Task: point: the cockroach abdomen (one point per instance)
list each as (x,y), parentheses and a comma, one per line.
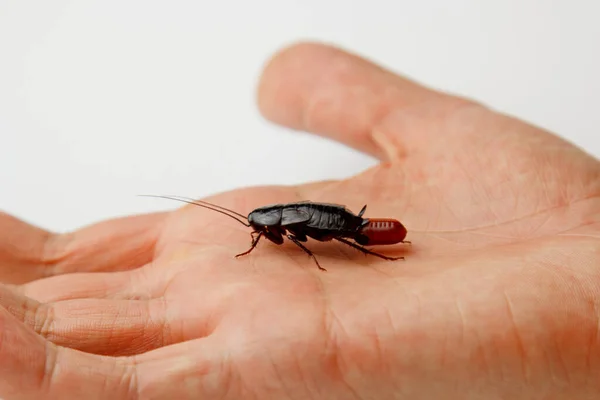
(381,231)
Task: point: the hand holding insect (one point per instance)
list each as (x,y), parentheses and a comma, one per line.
(497,299)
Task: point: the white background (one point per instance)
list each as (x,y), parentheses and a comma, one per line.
(103,100)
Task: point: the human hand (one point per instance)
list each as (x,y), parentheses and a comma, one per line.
(497,298)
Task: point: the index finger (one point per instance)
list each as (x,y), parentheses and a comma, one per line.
(28,253)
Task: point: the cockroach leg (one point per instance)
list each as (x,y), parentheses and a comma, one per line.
(365,251)
(253,236)
(254,243)
(307,251)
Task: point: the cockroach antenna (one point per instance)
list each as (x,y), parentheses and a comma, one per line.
(205,204)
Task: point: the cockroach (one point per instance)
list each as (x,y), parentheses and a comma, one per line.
(320,221)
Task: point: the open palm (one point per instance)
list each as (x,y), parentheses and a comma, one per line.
(497,296)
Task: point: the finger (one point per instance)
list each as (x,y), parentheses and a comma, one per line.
(28,252)
(330,92)
(33,368)
(107,327)
(336,94)
(114,245)
(116,327)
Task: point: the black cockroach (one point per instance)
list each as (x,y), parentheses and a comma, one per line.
(320,221)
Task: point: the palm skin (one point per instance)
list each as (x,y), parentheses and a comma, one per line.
(497,296)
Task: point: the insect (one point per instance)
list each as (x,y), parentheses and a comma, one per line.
(320,221)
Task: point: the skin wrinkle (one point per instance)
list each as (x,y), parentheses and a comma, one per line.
(450,211)
(445,239)
(383,110)
(331,348)
(470,120)
(128,377)
(44,320)
(162,223)
(227,377)
(514,194)
(521,241)
(556,376)
(463,321)
(564,194)
(50,366)
(380,269)
(379,347)
(138,279)
(517,219)
(563,376)
(485,366)
(50,256)
(544,184)
(580,286)
(519,341)
(484,194)
(2,333)
(164,329)
(438,215)
(388,144)
(304,382)
(471,179)
(540,227)
(110,334)
(560,372)
(191,371)
(589,236)
(15,305)
(496,236)
(170,279)
(451,112)
(594,339)
(279,376)
(137,287)
(339,361)
(408,186)
(388,151)
(132,384)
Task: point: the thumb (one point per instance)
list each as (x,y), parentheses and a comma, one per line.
(332,93)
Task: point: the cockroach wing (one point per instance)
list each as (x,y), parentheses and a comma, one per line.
(292,216)
(266,217)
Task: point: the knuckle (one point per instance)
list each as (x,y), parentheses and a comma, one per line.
(55,251)
(43,320)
